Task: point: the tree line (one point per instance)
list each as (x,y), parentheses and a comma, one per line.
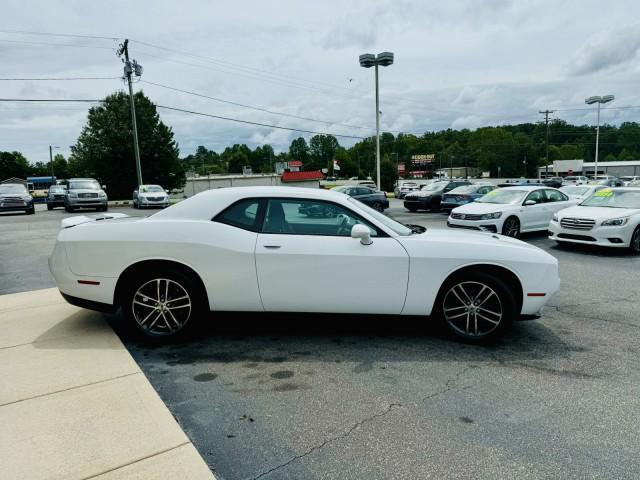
(104,150)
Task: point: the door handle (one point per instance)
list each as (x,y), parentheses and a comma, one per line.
(272,245)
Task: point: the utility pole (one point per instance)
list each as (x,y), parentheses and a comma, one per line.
(51,161)
(132,67)
(546,159)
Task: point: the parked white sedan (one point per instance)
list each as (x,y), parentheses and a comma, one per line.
(511,210)
(250,249)
(580,192)
(609,218)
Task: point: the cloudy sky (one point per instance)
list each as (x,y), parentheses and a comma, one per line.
(463,63)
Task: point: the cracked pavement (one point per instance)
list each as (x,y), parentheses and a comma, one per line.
(333,397)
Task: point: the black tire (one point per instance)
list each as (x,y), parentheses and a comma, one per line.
(68,209)
(412,209)
(49,206)
(434,206)
(634,245)
(30,211)
(168,320)
(377,206)
(511,227)
(484,299)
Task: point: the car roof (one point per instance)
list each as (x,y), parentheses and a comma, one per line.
(210,202)
(528,188)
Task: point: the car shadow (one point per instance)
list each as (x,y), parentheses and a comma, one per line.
(278,337)
(592,250)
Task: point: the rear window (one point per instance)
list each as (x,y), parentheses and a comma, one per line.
(242,214)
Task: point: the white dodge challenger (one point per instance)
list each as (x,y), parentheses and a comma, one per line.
(262,249)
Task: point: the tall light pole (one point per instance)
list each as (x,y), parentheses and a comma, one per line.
(369,60)
(599,100)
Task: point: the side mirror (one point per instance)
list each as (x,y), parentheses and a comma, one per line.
(104,187)
(363,233)
(528,203)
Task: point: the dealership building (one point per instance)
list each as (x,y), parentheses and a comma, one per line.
(562,168)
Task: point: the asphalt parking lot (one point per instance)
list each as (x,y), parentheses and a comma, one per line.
(314,397)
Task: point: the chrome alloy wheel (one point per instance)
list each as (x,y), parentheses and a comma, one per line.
(635,241)
(472,309)
(161,306)
(511,227)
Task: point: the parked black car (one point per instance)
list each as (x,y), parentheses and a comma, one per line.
(368,196)
(430,196)
(15,197)
(553,182)
(55,197)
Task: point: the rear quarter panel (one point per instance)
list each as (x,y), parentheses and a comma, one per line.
(223,256)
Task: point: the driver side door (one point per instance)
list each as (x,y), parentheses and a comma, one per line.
(310,263)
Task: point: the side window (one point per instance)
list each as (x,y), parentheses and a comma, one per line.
(364,191)
(242,214)
(310,217)
(555,196)
(537,196)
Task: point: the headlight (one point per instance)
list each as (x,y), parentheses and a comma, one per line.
(73,195)
(489,216)
(554,218)
(615,222)
(102,194)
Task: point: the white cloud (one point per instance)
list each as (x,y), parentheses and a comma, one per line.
(606,49)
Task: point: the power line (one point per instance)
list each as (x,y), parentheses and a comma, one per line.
(256,123)
(73,45)
(260,109)
(48,34)
(58,79)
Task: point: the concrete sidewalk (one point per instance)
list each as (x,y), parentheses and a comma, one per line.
(75,405)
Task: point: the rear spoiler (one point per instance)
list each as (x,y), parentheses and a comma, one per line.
(80,219)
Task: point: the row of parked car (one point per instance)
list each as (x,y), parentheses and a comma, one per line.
(76,194)
(594,214)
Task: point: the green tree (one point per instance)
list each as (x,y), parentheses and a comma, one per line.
(322,149)
(105,146)
(388,174)
(60,166)
(299,150)
(13,164)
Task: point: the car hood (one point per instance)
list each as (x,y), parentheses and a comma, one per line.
(480,208)
(23,196)
(597,213)
(152,194)
(86,190)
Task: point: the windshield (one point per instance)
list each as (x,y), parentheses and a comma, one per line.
(382,218)
(56,189)
(84,185)
(613,199)
(575,190)
(339,189)
(13,188)
(506,196)
(435,187)
(151,188)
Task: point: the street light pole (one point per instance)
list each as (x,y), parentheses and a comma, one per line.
(377,131)
(599,100)
(51,147)
(369,60)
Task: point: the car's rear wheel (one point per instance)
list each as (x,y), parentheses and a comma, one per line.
(434,206)
(477,307)
(377,206)
(162,303)
(68,209)
(511,227)
(634,245)
(412,209)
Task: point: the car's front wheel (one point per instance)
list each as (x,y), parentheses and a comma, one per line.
(378,206)
(634,245)
(162,303)
(477,307)
(511,227)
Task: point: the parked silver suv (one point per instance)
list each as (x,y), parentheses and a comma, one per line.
(85,193)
